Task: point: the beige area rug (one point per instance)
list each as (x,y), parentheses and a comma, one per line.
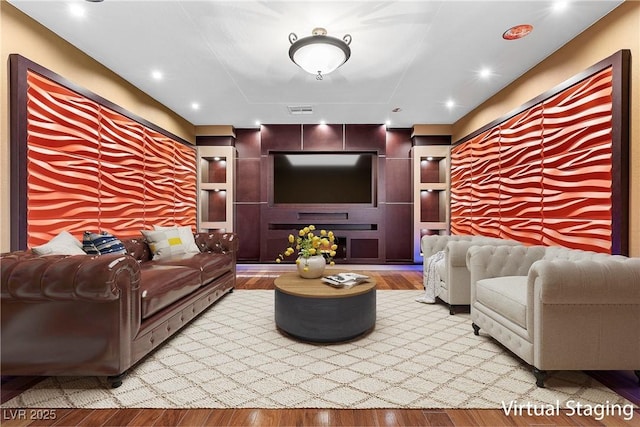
(418,356)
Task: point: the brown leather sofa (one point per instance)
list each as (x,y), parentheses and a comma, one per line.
(86,315)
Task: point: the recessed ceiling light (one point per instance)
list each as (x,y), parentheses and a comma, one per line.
(77,10)
(156,75)
(195,106)
(560,6)
(450,104)
(323,122)
(388,123)
(485,73)
(517,32)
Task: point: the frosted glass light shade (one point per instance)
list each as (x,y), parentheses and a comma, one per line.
(319,58)
(319,54)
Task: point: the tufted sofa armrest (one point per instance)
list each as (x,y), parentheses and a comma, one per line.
(431,244)
(584,313)
(78,277)
(75,312)
(611,281)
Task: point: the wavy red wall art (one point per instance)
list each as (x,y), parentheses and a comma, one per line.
(544,176)
(92,168)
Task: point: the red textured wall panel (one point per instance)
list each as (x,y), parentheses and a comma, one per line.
(577,165)
(544,176)
(461,192)
(186,185)
(91,168)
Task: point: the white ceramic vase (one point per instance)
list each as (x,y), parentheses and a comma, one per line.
(314,266)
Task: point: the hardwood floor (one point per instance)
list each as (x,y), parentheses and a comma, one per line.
(299,417)
(257,277)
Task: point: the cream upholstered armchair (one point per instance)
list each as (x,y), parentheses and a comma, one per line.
(453,276)
(557,308)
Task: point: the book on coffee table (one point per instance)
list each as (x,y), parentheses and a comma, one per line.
(344,280)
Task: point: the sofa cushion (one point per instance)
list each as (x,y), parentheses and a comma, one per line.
(62,244)
(186,235)
(506,296)
(165,243)
(102,244)
(211,266)
(161,285)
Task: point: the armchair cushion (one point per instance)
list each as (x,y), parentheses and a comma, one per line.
(507,296)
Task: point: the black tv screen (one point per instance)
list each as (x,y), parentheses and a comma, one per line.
(323,178)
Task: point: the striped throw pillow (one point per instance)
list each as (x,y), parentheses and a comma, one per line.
(102,244)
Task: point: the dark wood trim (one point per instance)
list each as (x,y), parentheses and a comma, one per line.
(419,140)
(18,147)
(218,141)
(18,68)
(621,85)
(621,66)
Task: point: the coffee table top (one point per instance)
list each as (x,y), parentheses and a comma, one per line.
(293,284)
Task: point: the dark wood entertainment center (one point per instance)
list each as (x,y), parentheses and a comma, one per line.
(368,233)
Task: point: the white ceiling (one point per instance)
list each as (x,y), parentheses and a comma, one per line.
(231,57)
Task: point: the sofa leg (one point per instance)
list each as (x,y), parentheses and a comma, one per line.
(540,377)
(638,375)
(476,329)
(116,380)
(459,308)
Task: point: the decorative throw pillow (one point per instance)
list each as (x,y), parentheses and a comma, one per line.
(63,244)
(101,244)
(186,235)
(164,244)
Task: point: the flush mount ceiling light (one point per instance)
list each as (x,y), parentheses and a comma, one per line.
(319,53)
(517,32)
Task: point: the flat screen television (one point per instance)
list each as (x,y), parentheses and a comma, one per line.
(324,178)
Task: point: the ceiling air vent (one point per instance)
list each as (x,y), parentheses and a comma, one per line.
(300,109)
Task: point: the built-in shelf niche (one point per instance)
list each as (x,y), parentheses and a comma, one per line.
(213,170)
(215,188)
(430,192)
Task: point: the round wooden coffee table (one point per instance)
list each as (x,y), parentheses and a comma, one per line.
(311,310)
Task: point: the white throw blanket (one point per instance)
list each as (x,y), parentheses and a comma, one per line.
(431,278)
